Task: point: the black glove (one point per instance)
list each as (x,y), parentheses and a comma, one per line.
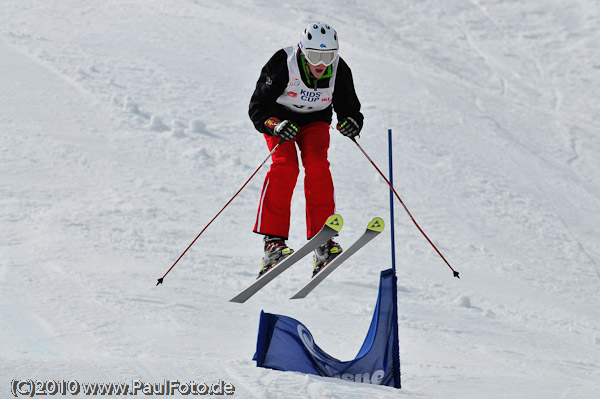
(285,130)
(349,128)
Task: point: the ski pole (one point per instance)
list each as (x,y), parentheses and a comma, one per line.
(160,280)
(405,208)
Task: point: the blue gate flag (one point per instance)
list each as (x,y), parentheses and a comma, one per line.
(286,344)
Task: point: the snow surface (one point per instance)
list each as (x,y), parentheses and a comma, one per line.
(124,129)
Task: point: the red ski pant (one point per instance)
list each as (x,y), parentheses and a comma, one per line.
(273,216)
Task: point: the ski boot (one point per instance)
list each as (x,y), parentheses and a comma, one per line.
(325,254)
(275,252)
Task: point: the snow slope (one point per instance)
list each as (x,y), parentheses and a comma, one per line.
(124,129)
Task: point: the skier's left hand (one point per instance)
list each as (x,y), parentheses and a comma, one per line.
(349,128)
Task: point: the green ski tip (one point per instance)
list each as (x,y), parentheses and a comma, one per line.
(377,225)
(335,222)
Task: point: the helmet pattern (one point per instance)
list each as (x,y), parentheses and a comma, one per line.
(318,36)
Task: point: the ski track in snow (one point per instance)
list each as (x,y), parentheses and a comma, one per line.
(124,130)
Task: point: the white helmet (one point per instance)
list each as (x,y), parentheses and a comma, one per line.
(319,44)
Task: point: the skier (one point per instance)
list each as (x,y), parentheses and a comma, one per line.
(292,103)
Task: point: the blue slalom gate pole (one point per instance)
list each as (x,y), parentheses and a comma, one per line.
(392,200)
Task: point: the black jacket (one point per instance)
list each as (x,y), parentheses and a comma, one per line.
(273,80)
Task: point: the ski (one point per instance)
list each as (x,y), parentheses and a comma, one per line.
(374,227)
(332,226)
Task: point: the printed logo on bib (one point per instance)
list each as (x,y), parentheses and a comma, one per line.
(310,96)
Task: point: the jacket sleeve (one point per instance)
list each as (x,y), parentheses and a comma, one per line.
(345,101)
(271,83)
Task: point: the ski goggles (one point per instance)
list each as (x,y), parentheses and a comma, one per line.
(317,57)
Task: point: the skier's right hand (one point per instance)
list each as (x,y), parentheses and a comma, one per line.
(286,130)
